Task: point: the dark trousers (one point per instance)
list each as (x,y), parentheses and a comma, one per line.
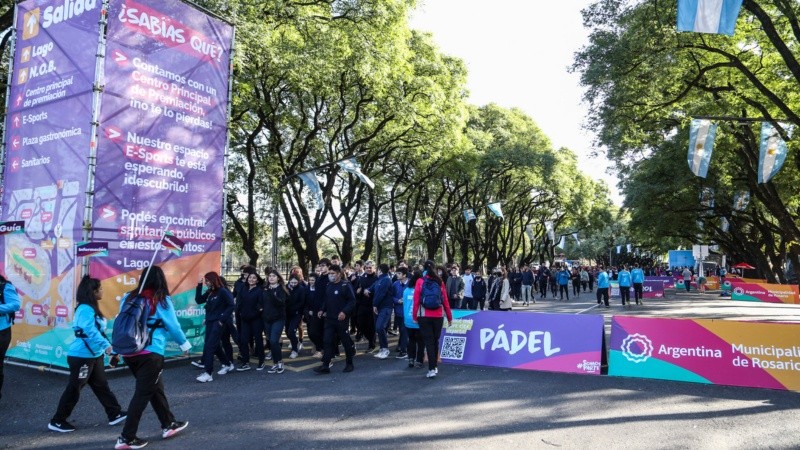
(401,327)
(688,285)
(229,332)
(576,288)
(602,292)
(585,285)
(416,345)
(95,377)
(333,331)
(431,329)
(637,292)
(274,328)
(366,326)
(543,289)
(316,328)
(482,302)
(292,324)
(212,346)
(5,341)
(252,329)
(563,290)
(625,293)
(147,369)
(467,303)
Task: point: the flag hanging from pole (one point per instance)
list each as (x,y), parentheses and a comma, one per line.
(172,243)
(741,200)
(629,247)
(351,166)
(529,231)
(619,249)
(708,16)
(707,197)
(724,224)
(495,208)
(550,230)
(563,242)
(772,151)
(469,215)
(575,236)
(701,144)
(311,181)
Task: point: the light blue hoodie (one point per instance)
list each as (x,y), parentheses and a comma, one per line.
(10,305)
(624,278)
(170,328)
(86,321)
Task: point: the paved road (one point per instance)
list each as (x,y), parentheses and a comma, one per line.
(383,404)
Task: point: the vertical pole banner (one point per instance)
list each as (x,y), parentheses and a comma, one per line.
(550,342)
(47,136)
(752,354)
(161,148)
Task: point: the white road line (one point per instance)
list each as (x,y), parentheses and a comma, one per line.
(588,309)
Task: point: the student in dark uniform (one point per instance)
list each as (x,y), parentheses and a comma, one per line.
(337,308)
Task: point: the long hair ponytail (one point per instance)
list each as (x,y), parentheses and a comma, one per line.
(430,268)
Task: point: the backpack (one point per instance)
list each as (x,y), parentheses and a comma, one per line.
(431,297)
(131,334)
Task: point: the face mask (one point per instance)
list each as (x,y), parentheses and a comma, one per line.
(332,278)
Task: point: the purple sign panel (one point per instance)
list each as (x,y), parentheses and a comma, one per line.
(521,340)
(669,282)
(163,134)
(48,136)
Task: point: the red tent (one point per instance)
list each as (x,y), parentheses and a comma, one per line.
(743,265)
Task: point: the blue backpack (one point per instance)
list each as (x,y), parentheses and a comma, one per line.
(431,297)
(131,334)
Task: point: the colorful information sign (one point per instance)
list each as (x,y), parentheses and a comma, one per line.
(753,354)
(531,341)
(765,292)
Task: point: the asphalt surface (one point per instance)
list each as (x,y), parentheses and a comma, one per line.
(384,404)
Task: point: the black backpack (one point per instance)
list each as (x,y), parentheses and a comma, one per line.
(131,334)
(431,295)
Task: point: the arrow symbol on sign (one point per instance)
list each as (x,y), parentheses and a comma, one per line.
(26,54)
(19,99)
(31,24)
(15,142)
(108,212)
(113,133)
(16,121)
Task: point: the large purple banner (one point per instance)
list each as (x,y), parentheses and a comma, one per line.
(162,144)
(522,340)
(48,137)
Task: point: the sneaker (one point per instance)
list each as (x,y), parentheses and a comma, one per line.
(402,355)
(268,355)
(348,368)
(431,374)
(205,377)
(322,369)
(243,367)
(317,355)
(418,365)
(225,369)
(277,368)
(371,350)
(299,346)
(173,429)
(125,444)
(118,418)
(436,369)
(392,333)
(199,364)
(330,364)
(261,366)
(410,363)
(293,355)
(61,427)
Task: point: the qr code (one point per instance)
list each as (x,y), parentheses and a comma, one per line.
(453,347)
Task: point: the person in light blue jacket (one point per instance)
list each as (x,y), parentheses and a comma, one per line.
(603,286)
(85,359)
(416,346)
(9,305)
(624,278)
(637,277)
(148,364)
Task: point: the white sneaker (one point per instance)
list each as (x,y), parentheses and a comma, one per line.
(431,374)
(293,355)
(317,355)
(204,378)
(383,354)
(226,369)
(300,347)
(436,369)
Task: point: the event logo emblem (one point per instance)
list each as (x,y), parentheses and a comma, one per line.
(643,342)
(738,291)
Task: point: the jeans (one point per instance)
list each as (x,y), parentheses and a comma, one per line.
(381,321)
(252,329)
(212,346)
(95,377)
(688,284)
(431,329)
(5,341)
(147,369)
(526,293)
(292,323)
(333,330)
(274,328)
(229,332)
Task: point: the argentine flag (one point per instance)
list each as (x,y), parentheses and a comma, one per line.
(708,16)
(772,152)
(701,144)
(495,208)
(312,183)
(469,215)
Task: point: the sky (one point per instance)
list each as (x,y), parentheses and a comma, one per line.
(518,53)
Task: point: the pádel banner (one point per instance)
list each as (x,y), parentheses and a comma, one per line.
(669,282)
(650,289)
(530,341)
(766,293)
(752,354)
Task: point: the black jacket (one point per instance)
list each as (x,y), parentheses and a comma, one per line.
(273,304)
(339,297)
(248,302)
(479,289)
(219,304)
(297,299)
